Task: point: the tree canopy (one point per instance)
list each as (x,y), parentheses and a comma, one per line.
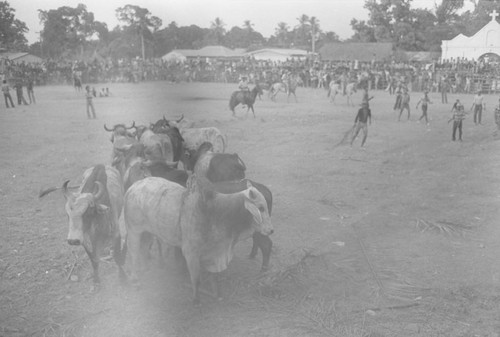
(73,31)
(12,30)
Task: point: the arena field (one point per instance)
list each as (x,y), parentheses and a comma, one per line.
(398,239)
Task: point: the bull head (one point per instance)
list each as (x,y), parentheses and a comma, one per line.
(256,205)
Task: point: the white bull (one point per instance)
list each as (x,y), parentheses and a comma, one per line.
(205,224)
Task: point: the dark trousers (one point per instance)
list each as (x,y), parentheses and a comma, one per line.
(31,96)
(478,111)
(8,98)
(424,113)
(20,98)
(457,125)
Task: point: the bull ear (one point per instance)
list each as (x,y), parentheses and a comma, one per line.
(101,209)
(254,210)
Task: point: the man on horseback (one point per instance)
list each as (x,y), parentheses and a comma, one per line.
(243,85)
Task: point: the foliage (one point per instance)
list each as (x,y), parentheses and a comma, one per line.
(12,30)
(67,30)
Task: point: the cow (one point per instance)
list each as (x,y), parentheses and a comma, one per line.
(204,223)
(163,170)
(191,157)
(129,162)
(120,137)
(93,213)
(194,137)
(259,241)
(224,167)
(220,166)
(245,98)
(157,146)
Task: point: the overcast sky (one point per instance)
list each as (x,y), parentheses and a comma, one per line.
(333,15)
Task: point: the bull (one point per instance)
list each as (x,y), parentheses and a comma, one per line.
(204,223)
(93,213)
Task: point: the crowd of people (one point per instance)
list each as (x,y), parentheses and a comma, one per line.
(459,76)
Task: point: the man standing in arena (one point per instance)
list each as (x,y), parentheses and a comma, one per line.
(90,103)
(6,94)
(425,101)
(458,116)
(477,107)
(405,104)
(360,123)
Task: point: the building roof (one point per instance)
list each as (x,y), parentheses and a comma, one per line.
(417,56)
(350,51)
(209,51)
(20,57)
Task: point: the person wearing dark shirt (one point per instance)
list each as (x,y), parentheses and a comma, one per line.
(405,104)
(360,123)
(19,93)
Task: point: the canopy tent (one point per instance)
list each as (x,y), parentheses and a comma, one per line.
(174,56)
(217,52)
(485,41)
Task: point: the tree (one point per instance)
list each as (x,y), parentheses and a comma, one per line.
(218,30)
(302,30)
(12,30)
(248,26)
(315,31)
(67,29)
(139,20)
(281,33)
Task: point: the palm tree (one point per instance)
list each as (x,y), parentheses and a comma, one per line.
(248,26)
(315,31)
(218,30)
(282,32)
(302,30)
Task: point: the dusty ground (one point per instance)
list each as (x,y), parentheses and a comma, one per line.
(399,239)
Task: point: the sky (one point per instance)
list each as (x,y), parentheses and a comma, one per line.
(333,15)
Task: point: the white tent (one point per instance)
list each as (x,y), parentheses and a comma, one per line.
(485,41)
(277,54)
(175,56)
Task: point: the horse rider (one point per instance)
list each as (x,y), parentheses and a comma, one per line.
(243,85)
(285,78)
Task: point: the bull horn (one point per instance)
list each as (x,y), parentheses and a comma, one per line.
(133,126)
(242,163)
(100,190)
(182,117)
(65,188)
(109,130)
(166,120)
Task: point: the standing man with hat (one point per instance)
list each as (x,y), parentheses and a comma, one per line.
(458,116)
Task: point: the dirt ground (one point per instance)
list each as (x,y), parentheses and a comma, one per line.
(397,239)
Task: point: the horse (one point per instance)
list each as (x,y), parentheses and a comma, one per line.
(336,88)
(288,88)
(245,98)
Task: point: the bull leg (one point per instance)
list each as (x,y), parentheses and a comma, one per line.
(265,244)
(193,264)
(95,268)
(134,246)
(253,111)
(213,278)
(119,257)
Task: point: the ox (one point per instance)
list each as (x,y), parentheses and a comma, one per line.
(194,137)
(204,223)
(224,167)
(121,137)
(191,157)
(93,213)
(244,97)
(156,146)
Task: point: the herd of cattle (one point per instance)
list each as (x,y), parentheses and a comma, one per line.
(143,197)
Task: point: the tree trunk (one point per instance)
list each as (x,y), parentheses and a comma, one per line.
(142,46)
